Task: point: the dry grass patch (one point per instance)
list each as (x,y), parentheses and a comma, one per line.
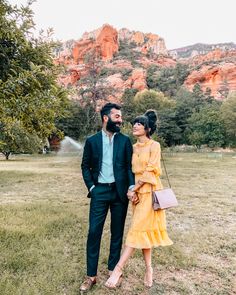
(44,219)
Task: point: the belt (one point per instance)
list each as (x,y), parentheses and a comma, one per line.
(107,184)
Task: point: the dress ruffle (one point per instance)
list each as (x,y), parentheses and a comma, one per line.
(147,239)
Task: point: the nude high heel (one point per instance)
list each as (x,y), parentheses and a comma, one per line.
(148,281)
(112,282)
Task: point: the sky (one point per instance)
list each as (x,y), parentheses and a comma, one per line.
(179,22)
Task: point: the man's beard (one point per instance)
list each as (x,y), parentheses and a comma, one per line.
(112,126)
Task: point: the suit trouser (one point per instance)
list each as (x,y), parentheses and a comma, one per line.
(103,198)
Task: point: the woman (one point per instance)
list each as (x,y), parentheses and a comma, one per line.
(148,227)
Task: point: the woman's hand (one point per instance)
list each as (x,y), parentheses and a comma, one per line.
(135,199)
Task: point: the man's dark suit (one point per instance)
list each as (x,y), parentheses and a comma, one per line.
(105,197)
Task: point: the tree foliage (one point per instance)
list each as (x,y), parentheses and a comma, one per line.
(136,103)
(191,118)
(30,98)
(228,115)
(128,105)
(151,99)
(93,87)
(206,127)
(167,80)
(80,121)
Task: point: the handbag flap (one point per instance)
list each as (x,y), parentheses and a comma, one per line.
(166,198)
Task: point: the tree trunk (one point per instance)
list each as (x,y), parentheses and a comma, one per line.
(7,154)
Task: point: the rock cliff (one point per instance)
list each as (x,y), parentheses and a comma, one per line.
(121,51)
(215,70)
(126,55)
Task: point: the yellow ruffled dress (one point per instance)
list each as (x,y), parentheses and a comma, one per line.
(148,227)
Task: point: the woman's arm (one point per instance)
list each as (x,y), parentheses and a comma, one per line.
(153,167)
(138,185)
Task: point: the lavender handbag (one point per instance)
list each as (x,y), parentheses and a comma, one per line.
(164,198)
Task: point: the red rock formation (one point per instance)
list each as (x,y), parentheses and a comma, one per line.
(91,35)
(155,44)
(146,42)
(81,48)
(71,79)
(120,64)
(75,76)
(64,57)
(117,83)
(159,61)
(137,80)
(108,42)
(214,55)
(217,69)
(124,34)
(103,41)
(138,38)
(217,78)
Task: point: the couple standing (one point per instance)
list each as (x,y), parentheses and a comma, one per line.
(109,177)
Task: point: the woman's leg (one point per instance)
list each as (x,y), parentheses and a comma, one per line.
(147,254)
(117,272)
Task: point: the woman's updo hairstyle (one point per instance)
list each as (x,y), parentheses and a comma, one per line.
(152,120)
(148,120)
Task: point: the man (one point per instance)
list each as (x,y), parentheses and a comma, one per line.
(106,169)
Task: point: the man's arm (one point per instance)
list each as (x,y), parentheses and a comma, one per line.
(129,152)
(85,165)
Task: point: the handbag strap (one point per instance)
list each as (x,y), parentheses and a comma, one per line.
(167,176)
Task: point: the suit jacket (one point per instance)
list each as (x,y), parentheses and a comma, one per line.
(122,154)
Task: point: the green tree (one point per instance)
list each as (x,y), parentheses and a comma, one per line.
(181,72)
(167,80)
(127,52)
(228,115)
(30,98)
(128,105)
(224,89)
(183,110)
(187,103)
(135,104)
(199,97)
(151,99)
(168,130)
(152,76)
(80,121)
(206,127)
(93,87)
(15,138)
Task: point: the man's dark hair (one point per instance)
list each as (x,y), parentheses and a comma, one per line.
(106,109)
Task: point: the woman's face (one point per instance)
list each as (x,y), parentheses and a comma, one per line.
(138,129)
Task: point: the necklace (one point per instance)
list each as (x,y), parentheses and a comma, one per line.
(140,145)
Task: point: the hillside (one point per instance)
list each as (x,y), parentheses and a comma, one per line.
(124,59)
(199,48)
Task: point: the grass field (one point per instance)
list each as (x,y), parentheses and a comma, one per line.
(43,229)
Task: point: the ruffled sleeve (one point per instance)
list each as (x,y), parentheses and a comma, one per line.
(153,167)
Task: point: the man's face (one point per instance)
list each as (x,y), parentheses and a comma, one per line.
(113,121)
